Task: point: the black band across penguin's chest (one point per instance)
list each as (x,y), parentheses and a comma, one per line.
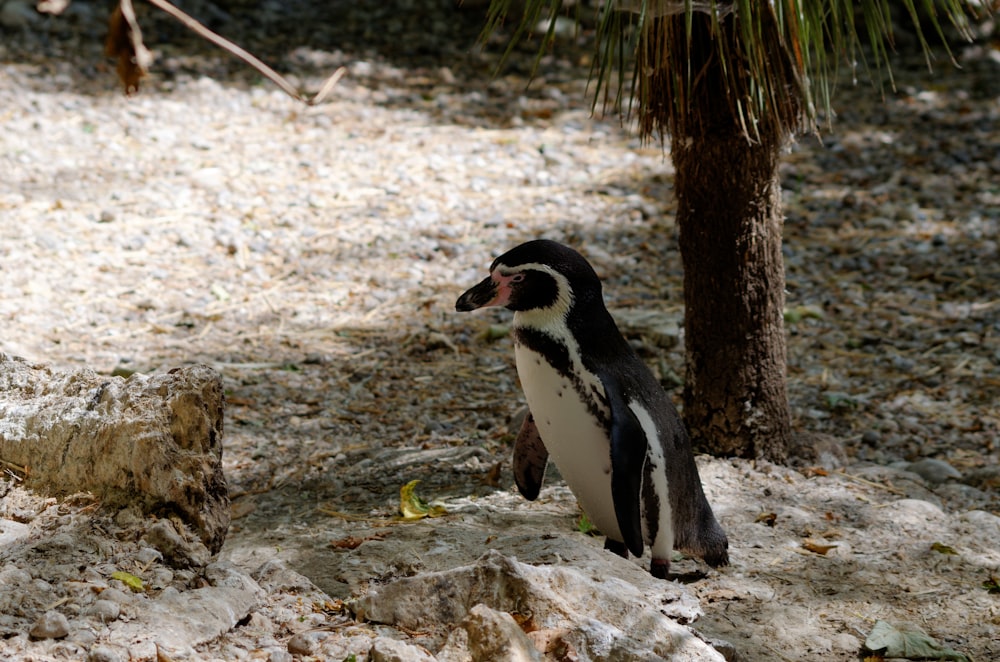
(558,356)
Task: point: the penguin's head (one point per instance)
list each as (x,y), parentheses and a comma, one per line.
(539,278)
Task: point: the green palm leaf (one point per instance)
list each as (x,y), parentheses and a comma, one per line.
(780,58)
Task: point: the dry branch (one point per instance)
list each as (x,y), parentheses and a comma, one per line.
(125,42)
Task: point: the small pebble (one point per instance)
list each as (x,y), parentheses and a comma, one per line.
(934,471)
(278,655)
(259,623)
(14,576)
(385,649)
(177,551)
(304,643)
(52,625)
(160,577)
(116,596)
(105,610)
(18,14)
(104,654)
(148,556)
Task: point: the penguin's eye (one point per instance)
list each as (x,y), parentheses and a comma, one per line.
(517,278)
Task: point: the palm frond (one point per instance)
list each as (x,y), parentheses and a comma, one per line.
(773,63)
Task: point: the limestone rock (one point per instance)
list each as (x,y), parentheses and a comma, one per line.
(598,615)
(153,440)
(105,611)
(305,643)
(488,634)
(104,654)
(385,649)
(11,531)
(176,550)
(52,625)
(178,621)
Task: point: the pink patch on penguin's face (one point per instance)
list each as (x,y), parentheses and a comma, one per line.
(505,286)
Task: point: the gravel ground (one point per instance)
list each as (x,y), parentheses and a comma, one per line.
(313,256)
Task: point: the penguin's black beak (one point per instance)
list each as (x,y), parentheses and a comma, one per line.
(478,296)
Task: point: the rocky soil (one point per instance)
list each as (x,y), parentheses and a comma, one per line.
(312,255)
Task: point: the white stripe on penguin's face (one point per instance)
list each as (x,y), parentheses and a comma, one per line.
(662,547)
(543,319)
(551,320)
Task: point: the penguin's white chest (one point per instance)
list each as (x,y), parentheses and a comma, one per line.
(576,439)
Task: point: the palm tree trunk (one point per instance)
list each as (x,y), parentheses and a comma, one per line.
(729,218)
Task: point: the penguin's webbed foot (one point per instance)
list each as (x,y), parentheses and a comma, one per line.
(659,568)
(617,547)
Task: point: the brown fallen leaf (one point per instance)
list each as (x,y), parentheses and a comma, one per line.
(492,477)
(353,542)
(525,621)
(124,42)
(766,518)
(809,472)
(336,606)
(815,547)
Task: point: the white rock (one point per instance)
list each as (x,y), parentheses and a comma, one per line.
(52,625)
(212,179)
(488,634)
(385,649)
(104,610)
(104,653)
(985,522)
(11,531)
(116,596)
(597,611)
(14,576)
(305,643)
(148,556)
(275,654)
(179,621)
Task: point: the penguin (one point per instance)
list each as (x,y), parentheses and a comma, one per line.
(596,410)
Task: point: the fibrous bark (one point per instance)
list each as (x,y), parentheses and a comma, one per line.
(152,441)
(729,220)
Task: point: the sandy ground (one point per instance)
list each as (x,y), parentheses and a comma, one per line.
(313,256)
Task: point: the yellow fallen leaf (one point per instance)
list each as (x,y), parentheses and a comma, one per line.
(412,506)
(941,548)
(129,580)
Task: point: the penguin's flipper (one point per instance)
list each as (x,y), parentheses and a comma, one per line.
(530,459)
(628,455)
